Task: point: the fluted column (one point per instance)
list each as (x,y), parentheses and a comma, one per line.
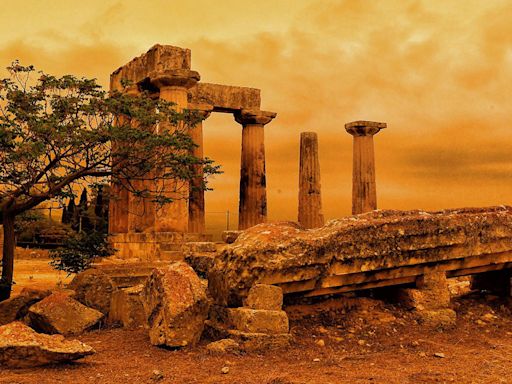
(253,195)
(364,194)
(310,200)
(196,217)
(173,86)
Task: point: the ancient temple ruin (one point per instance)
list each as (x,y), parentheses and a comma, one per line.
(140,230)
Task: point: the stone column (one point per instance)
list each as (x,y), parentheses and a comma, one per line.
(173,86)
(364,194)
(310,201)
(253,196)
(119,205)
(196,218)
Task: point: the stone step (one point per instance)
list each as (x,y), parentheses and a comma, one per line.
(171,255)
(171,246)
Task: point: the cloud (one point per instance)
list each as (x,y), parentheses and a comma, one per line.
(439,73)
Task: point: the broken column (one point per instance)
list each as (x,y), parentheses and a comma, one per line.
(253,195)
(310,202)
(364,195)
(173,85)
(196,218)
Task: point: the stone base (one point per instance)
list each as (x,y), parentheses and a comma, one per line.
(248,341)
(443,318)
(154,246)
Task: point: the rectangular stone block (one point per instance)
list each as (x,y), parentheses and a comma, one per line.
(126,307)
(158,58)
(264,296)
(225,98)
(258,320)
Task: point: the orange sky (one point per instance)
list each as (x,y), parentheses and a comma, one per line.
(439,72)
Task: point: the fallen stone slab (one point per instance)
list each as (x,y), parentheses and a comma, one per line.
(16,307)
(59,313)
(371,250)
(93,288)
(22,347)
(176,305)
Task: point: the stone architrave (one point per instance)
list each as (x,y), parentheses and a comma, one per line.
(364,193)
(253,194)
(310,200)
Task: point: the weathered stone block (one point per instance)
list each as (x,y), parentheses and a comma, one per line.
(17,307)
(248,341)
(443,318)
(230,237)
(22,347)
(259,320)
(200,246)
(93,288)
(223,346)
(225,98)
(201,262)
(59,313)
(126,307)
(264,296)
(176,305)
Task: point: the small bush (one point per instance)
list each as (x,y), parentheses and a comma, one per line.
(78,252)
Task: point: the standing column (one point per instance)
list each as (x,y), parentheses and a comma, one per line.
(310,201)
(364,194)
(196,218)
(253,195)
(173,86)
(119,204)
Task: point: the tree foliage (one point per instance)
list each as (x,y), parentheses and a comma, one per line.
(79,251)
(56,132)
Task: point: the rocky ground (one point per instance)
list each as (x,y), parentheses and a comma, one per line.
(335,341)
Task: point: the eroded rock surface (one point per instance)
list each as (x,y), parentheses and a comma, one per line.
(17,307)
(94,289)
(346,251)
(176,305)
(59,313)
(21,347)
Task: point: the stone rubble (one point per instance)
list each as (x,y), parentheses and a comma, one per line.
(176,306)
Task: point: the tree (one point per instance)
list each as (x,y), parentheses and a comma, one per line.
(56,132)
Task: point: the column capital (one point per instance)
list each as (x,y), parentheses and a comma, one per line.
(183,78)
(364,128)
(204,110)
(254,116)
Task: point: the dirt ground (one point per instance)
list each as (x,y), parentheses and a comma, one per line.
(363,341)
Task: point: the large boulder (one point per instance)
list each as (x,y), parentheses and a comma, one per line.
(59,313)
(346,251)
(21,347)
(93,288)
(176,305)
(17,307)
